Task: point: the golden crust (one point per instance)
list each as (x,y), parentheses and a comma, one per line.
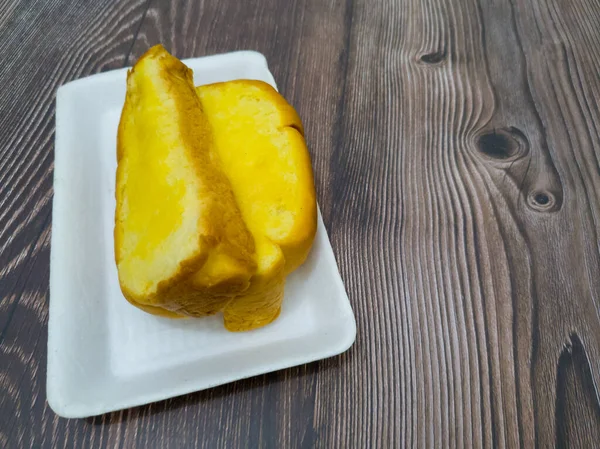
(220,227)
(239,262)
(297,241)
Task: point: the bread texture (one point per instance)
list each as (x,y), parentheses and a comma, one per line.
(215,195)
(259,139)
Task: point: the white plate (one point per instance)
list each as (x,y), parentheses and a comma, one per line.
(104,354)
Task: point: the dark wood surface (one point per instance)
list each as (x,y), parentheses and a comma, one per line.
(456,149)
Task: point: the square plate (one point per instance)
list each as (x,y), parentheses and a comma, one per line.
(106,355)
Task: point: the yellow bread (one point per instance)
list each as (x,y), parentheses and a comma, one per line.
(181,244)
(259,139)
(215,196)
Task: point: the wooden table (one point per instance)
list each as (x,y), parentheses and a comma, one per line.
(456,149)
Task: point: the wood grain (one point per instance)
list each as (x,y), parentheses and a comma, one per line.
(456,148)
(43,44)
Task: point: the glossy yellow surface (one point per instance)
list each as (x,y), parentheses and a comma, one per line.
(215,195)
(258,137)
(181,245)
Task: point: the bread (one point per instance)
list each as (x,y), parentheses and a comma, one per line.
(215,195)
(181,244)
(259,139)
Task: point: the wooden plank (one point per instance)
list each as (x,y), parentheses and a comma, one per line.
(560,44)
(469,223)
(456,147)
(43,45)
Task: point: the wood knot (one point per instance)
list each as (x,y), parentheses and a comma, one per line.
(505,144)
(434,57)
(542,201)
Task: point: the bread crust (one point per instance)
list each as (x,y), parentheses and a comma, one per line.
(224,273)
(222,227)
